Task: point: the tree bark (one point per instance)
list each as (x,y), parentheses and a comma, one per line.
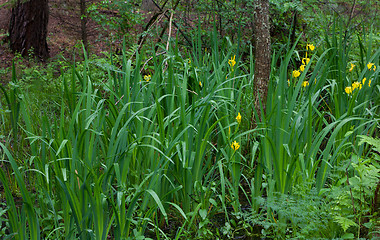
(28,28)
(262,53)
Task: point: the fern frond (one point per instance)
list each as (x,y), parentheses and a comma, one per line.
(345,223)
(375,142)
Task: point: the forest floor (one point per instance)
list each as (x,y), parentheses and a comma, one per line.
(63,34)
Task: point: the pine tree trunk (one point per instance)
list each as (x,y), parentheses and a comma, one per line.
(28,28)
(262,52)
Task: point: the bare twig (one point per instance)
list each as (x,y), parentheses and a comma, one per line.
(146,62)
(170,30)
(153,20)
(175,6)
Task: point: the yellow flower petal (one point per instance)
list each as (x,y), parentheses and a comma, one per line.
(352,67)
(305,83)
(302,68)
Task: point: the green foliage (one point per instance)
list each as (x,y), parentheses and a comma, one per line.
(345,223)
(353,194)
(118,17)
(13,101)
(143,145)
(375,142)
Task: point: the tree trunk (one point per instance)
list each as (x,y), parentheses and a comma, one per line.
(83,21)
(28,28)
(262,52)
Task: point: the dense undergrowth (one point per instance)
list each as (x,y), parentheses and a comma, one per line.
(169,146)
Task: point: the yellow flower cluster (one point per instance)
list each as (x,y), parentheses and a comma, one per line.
(370,66)
(356,85)
(305,61)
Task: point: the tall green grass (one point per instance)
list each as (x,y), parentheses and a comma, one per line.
(123,154)
(128,155)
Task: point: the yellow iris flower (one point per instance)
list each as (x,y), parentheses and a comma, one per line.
(310,47)
(370,65)
(305,61)
(147,77)
(232,62)
(348,90)
(355,85)
(296,73)
(235,146)
(238,118)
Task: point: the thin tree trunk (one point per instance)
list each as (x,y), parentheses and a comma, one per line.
(83,21)
(262,53)
(28,28)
